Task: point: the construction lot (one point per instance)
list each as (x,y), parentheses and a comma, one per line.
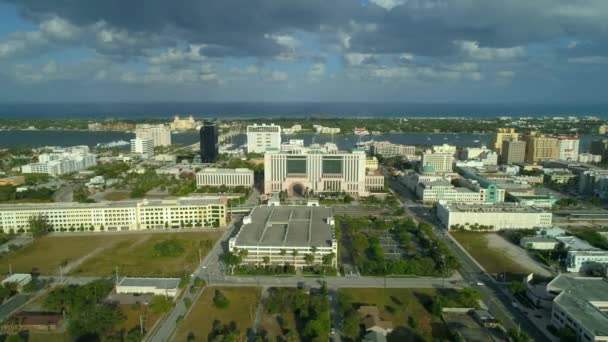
(498,255)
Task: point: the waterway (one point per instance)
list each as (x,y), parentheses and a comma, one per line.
(19,138)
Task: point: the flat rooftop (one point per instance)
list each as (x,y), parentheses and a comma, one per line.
(216,170)
(576,297)
(289,226)
(576,244)
(182,201)
(159,283)
(492,208)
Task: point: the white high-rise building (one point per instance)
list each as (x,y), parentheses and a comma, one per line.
(145,147)
(568,148)
(317,170)
(263,137)
(437,162)
(159,134)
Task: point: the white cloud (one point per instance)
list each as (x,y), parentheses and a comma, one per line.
(505,74)
(473,50)
(356,59)
(176,56)
(289,44)
(589,60)
(58,28)
(388,4)
(279,76)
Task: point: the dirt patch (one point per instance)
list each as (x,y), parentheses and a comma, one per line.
(70,266)
(514,252)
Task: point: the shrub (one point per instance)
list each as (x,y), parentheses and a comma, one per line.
(169,248)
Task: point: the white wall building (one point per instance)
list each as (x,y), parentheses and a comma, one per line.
(183,124)
(145,147)
(159,134)
(498,215)
(580,304)
(62,161)
(285,234)
(589,158)
(122,215)
(326,130)
(437,162)
(315,169)
(445,148)
(580,261)
(157,286)
(228,177)
(568,148)
(387,149)
(263,137)
(19,279)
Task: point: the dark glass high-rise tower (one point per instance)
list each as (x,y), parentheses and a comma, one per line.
(209,145)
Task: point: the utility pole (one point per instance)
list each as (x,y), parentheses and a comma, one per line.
(60,274)
(10,269)
(116,280)
(141,324)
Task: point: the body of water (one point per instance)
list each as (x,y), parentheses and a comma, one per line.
(209,110)
(344,142)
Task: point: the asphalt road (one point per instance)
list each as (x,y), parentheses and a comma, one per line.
(209,266)
(7,308)
(494,294)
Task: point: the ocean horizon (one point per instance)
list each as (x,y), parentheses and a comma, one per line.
(252,110)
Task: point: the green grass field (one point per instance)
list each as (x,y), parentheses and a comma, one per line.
(493,260)
(100,254)
(401,306)
(243,304)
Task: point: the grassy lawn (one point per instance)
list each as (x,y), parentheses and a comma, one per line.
(401,306)
(136,257)
(100,254)
(493,260)
(49,337)
(116,196)
(243,304)
(275,326)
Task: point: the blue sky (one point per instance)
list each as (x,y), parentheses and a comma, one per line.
(542,51)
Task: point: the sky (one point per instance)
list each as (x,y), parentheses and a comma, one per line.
(540,51)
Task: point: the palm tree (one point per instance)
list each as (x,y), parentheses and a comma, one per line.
(309,258)
(313,251)
(266,260)
(283,252)
(295,254)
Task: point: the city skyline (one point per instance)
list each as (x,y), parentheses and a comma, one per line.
(377,50)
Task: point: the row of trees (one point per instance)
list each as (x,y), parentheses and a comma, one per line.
(474,227)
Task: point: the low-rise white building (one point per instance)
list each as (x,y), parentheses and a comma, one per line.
(374,181)
(542,243)
(62,161)
(326,130)
(19,279)
(580,261)
(437,161)
(589,158)
(387,149)
(113,216)
(580,303)
(286,234)
(371,164)
(168,287)
(493,216)
(263,137)
(229,177)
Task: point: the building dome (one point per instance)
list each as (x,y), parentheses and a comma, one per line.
(427,169)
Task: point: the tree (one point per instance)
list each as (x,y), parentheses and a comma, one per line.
(328,259)
(294,253)
(351,324)
(566,334)
(219,300)
(39,226)
(309,259)
(283,252)
(266,260)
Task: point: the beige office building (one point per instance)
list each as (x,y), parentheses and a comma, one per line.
(502,135)
(540,147)
(513,151)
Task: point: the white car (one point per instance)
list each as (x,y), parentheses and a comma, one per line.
(480,284)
